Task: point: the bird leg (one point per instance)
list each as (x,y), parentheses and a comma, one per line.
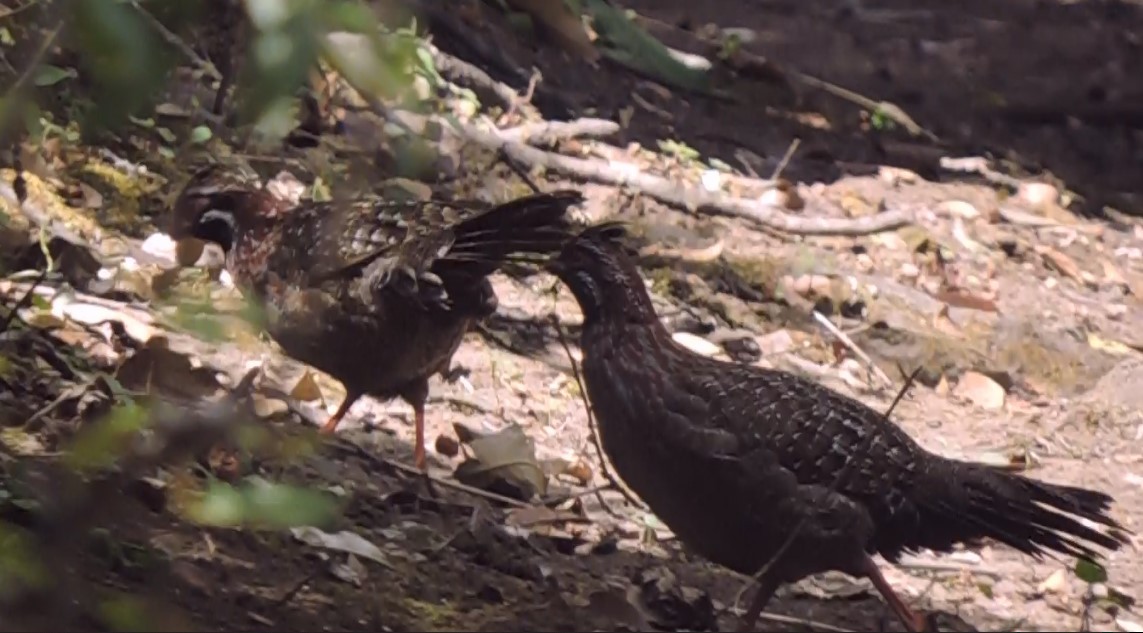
(767,587)
(913,622)
(419,431)
(331,425)
(416,396)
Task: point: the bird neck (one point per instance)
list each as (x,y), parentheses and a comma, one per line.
(611,293)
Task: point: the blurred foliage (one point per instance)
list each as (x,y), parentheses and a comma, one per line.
(77,70)
(112,59)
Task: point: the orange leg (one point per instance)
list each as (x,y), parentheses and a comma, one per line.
(419,426)
(331,425)
(913,622)
(416,397)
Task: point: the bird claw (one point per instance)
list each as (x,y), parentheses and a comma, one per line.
(455,373)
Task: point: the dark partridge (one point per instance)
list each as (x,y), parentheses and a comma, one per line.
(738,460)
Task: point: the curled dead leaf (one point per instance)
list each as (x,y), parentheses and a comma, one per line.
(307,388)
(268,407)
(156,369)
(965,299)
(1061,263)
(503,462)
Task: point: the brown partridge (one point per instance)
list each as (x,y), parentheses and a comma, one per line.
(378,294)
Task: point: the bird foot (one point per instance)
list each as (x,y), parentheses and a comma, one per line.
(455,373)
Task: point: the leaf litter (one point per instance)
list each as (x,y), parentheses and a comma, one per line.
(955,276)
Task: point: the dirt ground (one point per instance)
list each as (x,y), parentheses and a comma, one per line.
(1047,89)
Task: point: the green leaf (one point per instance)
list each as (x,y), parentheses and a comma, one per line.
(48,75)
(200,135)
(100,444)
(125,614)
(167,135)
(1090,571)
(126,60)
(258,503)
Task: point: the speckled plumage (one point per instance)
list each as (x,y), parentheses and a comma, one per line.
(378,294)
(732,457)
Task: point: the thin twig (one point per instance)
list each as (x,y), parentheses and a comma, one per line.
(25,301)
(951,568)
(177,42)
(591,427)
(16,92)
(681,195)
(413,470)
(848,342)
(800,622)
(518,170)
(786,158)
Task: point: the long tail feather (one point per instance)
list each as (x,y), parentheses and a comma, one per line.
(965,502)
(534,225)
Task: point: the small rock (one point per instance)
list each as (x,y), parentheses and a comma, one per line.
(775,197)
(959,209)
(1038,194)
(896,175)
(981,390)
(696,344)
(1054,583)
(909,270)
(447,445)
(1115,311)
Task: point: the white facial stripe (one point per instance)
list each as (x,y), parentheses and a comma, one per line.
(220,215)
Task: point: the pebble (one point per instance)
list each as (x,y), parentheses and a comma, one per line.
(1038,194)
(981,390)
(959,209)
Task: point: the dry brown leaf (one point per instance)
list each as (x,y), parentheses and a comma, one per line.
(538,515)
(1061,263)
(502,462)
(567,27)
(965,299)
(157,369)
(268,407)
(307,388)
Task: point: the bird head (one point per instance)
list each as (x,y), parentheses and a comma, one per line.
(604,279)
(211,208)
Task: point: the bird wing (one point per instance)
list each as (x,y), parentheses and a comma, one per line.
(340,240)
